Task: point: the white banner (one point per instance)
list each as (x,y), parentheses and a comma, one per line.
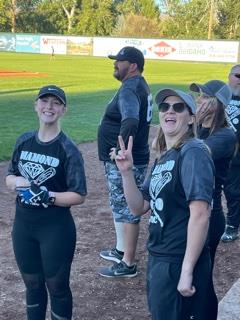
(53,44)
(183,50)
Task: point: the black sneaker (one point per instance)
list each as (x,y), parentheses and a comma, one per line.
(230,234)
(119,270)
(112,255)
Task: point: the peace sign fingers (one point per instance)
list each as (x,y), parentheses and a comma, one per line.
(124,158)
(122,144)
(130,144)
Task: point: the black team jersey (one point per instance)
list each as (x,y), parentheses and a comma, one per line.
(222,144)
(233,115)
(57,165)
(180,176)
(128,113)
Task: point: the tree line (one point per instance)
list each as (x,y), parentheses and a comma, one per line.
(172,19)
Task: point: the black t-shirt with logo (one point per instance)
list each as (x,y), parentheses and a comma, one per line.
(57,165)
(233,115)
(128,113)
(222,143)
(180,176)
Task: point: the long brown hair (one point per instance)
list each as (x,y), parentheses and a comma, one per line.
(219,119)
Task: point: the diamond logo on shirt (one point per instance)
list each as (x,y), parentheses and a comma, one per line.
(30,169)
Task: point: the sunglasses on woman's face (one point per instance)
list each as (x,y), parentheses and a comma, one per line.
(237,75)
(177,107)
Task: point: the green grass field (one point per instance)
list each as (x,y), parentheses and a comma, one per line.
(88,83)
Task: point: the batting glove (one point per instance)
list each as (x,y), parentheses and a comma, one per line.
(34,195)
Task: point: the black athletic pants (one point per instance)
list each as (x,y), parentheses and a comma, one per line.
(216,229)
(232,194)
(44,244)
(165,302)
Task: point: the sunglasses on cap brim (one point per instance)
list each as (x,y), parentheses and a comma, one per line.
(177,107)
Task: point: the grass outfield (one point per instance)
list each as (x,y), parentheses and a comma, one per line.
(89,85)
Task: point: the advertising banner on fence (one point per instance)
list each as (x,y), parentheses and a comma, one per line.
(7,42)
(80,46)
(53,44)
(27,43)
(194,50)
(183,50)
(160,49)
(102,47)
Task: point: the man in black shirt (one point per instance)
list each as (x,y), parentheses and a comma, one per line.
(232,187)
(128,114)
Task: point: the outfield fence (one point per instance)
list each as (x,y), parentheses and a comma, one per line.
(161,49)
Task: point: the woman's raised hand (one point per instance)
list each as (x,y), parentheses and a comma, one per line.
(203,110)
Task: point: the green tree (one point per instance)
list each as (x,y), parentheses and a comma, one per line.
(133,25)
(97,17)
(229,20)
(45,18)
(14,8)
(5,16)
(146,8)
(137,18)
(71,9)
(194,19)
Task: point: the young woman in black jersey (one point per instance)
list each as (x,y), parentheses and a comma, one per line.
(213,129)
(179,193)
(47,171)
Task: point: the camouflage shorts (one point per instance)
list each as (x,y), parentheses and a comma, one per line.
(120,210)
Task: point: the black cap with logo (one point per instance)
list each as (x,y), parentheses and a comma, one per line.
(53,91)
(130,54)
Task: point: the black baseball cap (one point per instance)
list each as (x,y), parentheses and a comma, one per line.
(187,98)
(214,88)
(53,91)
(130,54)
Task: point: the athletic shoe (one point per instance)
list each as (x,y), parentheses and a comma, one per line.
(119,270)
(230,234)
(112,255)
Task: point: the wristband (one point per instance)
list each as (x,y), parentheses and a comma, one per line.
(52,198)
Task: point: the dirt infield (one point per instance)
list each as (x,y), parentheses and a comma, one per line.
(8,73)
(95,298)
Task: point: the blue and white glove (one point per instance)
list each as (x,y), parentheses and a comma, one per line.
(34,195)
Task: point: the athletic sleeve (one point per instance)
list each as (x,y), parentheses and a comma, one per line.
(75,173)
(129,104)
(13,165)
(128,128)
(197,174)
(222,144)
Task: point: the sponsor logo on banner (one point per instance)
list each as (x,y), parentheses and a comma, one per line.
(7,42)
(27,43)
(162,49)
(50,43)
(80,45)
